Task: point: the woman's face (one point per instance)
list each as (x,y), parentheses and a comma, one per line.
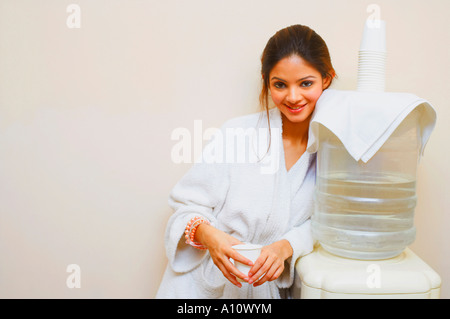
(295,87)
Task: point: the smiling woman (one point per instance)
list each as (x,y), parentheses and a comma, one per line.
(296,68)
(218,205)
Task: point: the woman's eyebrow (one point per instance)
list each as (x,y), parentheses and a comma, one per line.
(306,77)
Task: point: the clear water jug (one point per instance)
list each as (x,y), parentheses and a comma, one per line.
(366,210)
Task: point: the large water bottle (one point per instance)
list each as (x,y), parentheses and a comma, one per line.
(366,210)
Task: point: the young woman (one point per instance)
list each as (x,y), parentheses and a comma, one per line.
(221,202)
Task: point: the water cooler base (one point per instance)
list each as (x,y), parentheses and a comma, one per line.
(322,275)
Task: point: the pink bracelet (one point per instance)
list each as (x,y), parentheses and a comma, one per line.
(190,230)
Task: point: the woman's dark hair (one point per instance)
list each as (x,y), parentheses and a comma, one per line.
(294,40)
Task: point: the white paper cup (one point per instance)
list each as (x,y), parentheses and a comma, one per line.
(372,63)
(372,79)
(380,55)
(249,251)
(374,36)
(375,60)
(372,53)
(371,69)
(370,72)
(362,63)
(372,76)
(372,57)
(372,60)
(365,71)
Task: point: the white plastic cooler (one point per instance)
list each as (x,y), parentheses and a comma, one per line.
(364,135)
(322,275)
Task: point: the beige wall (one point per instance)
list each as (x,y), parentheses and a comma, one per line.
(86,117)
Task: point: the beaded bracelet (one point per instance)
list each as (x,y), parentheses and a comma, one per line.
(190,230)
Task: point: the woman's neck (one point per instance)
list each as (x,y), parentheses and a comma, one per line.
(296,133)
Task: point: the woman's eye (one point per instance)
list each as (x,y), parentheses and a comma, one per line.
(306,83)
(279,85)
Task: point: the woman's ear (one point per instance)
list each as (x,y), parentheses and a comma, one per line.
(327,80)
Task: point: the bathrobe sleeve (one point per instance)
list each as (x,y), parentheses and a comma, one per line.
(302,243)
(200,192)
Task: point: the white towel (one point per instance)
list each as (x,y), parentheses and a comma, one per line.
(363,121)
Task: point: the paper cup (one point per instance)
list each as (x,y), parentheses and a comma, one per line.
(369,63)
(249,251)
(372,53)
(372,63)
(373,58)
(374,36)
(371,79)
(370,76)
(367,68)
(369,72)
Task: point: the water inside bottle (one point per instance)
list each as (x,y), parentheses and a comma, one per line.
(367,215)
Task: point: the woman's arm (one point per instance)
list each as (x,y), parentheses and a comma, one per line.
(196,194)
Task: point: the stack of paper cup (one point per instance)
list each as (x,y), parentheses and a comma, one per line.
(372,57)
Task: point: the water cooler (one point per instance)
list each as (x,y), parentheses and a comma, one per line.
(368,145)
(322,275)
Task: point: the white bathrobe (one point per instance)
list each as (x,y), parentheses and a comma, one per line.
(254,199)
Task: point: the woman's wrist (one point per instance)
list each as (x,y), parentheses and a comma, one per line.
(201,234)
(285,248)
(191,229)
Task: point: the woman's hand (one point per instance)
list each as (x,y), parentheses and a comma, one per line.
(219,245)
(270,263)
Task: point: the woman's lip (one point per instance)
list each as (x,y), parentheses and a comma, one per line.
(293,107)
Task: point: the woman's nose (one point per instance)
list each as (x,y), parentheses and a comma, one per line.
(294,96)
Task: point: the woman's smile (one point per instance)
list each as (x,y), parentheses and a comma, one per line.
(295,108)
